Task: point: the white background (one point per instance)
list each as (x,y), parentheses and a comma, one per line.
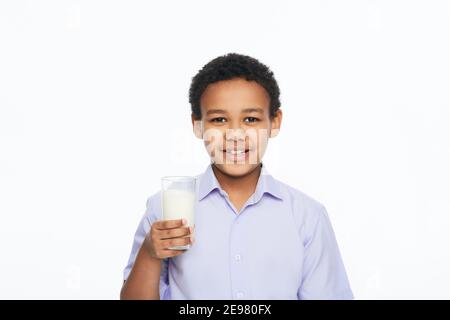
(94,110)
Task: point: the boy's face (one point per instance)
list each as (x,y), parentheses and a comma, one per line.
(236,124)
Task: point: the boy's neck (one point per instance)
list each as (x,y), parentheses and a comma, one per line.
(243,185)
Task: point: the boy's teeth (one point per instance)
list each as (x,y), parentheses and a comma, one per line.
(236,152)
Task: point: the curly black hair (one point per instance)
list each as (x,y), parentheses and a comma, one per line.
(230,66)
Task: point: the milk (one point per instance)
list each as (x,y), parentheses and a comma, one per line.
(178,204)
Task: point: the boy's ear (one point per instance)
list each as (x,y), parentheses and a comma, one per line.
(276,123)
(274,132)
(197,126)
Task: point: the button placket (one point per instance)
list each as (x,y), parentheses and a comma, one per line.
(237,269)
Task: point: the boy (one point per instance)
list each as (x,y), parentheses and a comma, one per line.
(255,237)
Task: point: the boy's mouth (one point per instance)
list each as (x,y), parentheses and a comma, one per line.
(236,155)
(236,152)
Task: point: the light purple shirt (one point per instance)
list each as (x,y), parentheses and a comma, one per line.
(281,245)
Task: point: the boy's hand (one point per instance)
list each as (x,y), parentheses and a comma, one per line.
(165,234)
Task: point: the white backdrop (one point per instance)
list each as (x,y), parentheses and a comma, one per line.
(94,110)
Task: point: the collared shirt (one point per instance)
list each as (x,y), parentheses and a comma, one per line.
(280,245)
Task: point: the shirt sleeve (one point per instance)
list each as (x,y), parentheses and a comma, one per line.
(324,275)
(150,216)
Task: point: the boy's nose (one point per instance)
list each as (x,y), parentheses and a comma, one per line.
(235,134)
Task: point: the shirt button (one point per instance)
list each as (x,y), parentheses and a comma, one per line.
(239,295)
(237,257)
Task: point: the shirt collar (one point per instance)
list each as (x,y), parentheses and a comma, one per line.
(266,184)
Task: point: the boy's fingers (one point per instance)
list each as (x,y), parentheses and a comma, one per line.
(170,224)
(165,244)
(175,233)
(172,253)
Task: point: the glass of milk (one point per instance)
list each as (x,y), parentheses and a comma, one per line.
(178,201)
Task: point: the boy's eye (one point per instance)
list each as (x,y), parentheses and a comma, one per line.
(219,119)
(251,119)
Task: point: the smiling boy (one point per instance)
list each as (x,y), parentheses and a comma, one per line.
(255,237)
